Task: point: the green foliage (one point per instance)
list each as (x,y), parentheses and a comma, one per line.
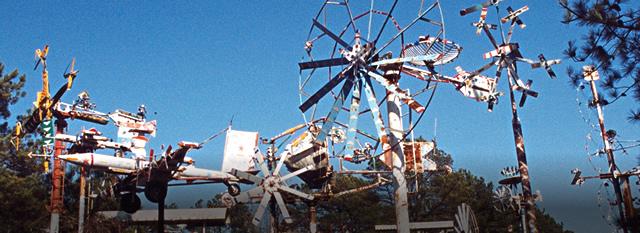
(612,44)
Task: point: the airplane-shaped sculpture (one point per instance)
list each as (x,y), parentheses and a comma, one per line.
(151,176)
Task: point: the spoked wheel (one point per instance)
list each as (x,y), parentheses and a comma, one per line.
(368,48)
(130,202)
(155,191)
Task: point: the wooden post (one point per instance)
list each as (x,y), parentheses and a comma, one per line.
(81,205)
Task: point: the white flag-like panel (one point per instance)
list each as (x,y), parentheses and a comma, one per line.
(238,150)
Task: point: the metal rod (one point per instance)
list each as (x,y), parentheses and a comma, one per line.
(161,216)
(57,189)
(529,204)
(613,168)
(397,158)
(81,205)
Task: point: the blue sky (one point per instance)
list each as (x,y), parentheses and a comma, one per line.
(199,63)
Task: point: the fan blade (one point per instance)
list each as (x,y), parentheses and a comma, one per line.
(335,109)
(354,111)
(250,196)
(260,159)
(283,208)
(260,211)
(280,162)
(398,92)
(330,34)
(296,192)
(375,110)
(246,176)
(430,58)
(323,63)
(296,173)
(324,90)
(482,69)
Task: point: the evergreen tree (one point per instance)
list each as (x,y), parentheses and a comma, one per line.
(612,44)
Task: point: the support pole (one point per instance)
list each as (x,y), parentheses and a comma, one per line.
(398,168)
(528,201)
(161,216)
(57,182)
(81,205)
(591,75)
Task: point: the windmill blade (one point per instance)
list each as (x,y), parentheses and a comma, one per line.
(330,34)
(481,21)
(324,90)
(354,113)
(250,196)
(261,208)
(296,173)
(429,58)
(513,16)
(296,192)
(280,162)
(246,176)
(260,160)
(375,110)
(482,69)
(323,63)
(398,92)
(475,8)
(283,208)
(335,109)
(547,65)
(70,74)
(523,98)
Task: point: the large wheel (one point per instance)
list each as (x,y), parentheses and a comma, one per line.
(130,203)
(365,47)
(155,191)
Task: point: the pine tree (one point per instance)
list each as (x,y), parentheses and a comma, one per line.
(612,45)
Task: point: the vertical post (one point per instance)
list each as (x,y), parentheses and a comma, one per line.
(57,189)
(591,75)
(313,221)
(397,158)
(529,203)
(161,216)
(81,205)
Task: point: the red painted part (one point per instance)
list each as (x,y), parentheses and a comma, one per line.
(57,190)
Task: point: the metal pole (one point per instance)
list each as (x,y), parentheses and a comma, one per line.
(313,221)
(57,182)
(591,75)
(529,202)
(161,216)
(81,205)
(398,168)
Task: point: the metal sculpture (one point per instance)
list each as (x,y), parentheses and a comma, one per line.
(466,220)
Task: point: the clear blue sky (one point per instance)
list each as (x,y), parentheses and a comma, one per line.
(198,63)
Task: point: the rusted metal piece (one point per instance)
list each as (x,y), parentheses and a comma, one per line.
(57,189)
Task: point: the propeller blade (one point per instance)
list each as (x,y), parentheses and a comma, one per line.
(296,173)
(335,109)
(430,58)
(260,211)
(324,90)
(323,63)
(375,110)
(246,176)
(330,34)
(296,192)
(260,160)
(283,208)
(280,162)
(397,91)
(354,111)
(250,196)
